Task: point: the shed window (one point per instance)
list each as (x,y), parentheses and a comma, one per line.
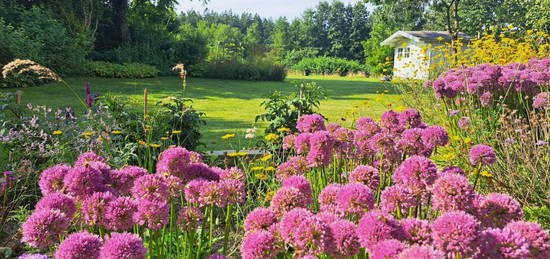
(403,52)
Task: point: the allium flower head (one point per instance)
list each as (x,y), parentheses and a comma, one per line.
(150,187)
(288,142)
(103,168)
(434,136)
(496,210)
(200,171)
(502,243)
(410,119)
(345,242)
(464,123)
(174,184)
(79,245)
(44,227)
(173,161)
(397,197)
(305,232)
(486,99)
(321,146)
(33,256)
(385,249)
(366,175)
(259,244)
(51,179)
(376,226)
(310,123)
(154,214)
(193,190)
(301,183)
(189,218)
(57,201)
(456,232)
(417,231)
(301,143)
(382,142)
(537,238)
(417,173)
(482,154)
(195,157)
(123,246)
(368,125)
(234,191)
(234,173)
(452,170)
(327,197)
(412,143)
(123,179)
(332,127)
(452,192)
(84,181)
(288,198)
(355,199)
(85,158)
(420,252)
(119,214)
(95,206)
(260,218)
(296,165)
(390,120)
(541,100)
(213,193)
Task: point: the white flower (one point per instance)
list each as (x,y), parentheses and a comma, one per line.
(251,131)
(249,136)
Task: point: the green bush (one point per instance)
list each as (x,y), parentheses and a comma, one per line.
(262,69)
(328,65)
(128,70)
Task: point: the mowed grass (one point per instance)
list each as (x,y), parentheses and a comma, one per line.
(230,106)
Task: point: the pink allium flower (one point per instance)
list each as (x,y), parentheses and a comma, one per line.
(368,125)
(327,197)
(452,170)
(320,153)
(327,217)
(213,193)
(33,256)
(79,245)
(410,119)
(361,142)
(537,238)
(382,143)
(95,206)
(301,143)
(496,210)
(234,191)
(123,246)
(217,256)
(376,226)
(291,221)
(343,143)
(355,199)
(123,179)
(345,242)
(189,218)
(296,165)
(85,158)
(103,168)
(301,183)
(200,171)
(195,157)
(390,121)
(57,201)
(385,249)
(51,179)
(397,197)
(44,227)
(173,162)
(434,136)
(417,231)
(119,214)
(411,143)
(234,173)
(288,142)
(482,154)
(193,189)
(456,232)
(310,123)
(541,100)
(305,232)
(83,181)
(417,173)
(464,123)
(150,187)
(332,127)
(260,219)
(288,198)
(486,99)
(154,214)
(259,244)
(452,192)
(174,184)
(502,243)
(366,175)
(420,252)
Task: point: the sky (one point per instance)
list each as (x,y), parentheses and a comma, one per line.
(265,8)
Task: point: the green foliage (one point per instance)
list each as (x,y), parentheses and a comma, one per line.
(179,115)
(328,65)
(260,69)
(283,111)
(127,70)
(296,55)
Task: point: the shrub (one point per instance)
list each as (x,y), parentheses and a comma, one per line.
(127,70)
(262,69)
(328,65)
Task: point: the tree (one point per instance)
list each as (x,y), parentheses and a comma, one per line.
(360,31)
(279,38)
(338,30)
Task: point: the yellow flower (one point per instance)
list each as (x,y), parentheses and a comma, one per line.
(116,132)
(154,145)
(439,38)
(257,168)
(164,138)
(283,130)
(400,108)
(261,176)
(266,157)
(467,140)
(141,142)
(270,169)
(228,136)
(233,154)
(486,174)
(269,195)
(57,132)
(242,153)
(271,137)
(88,133)
(449,156)
(176,131)
(456,138)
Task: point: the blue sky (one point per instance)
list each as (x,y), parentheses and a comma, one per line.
(265,8)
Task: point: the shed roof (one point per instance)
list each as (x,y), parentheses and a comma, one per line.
(421,36)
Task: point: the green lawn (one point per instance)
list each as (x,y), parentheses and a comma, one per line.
(230,106)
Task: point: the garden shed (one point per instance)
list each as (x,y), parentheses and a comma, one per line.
(414,53)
